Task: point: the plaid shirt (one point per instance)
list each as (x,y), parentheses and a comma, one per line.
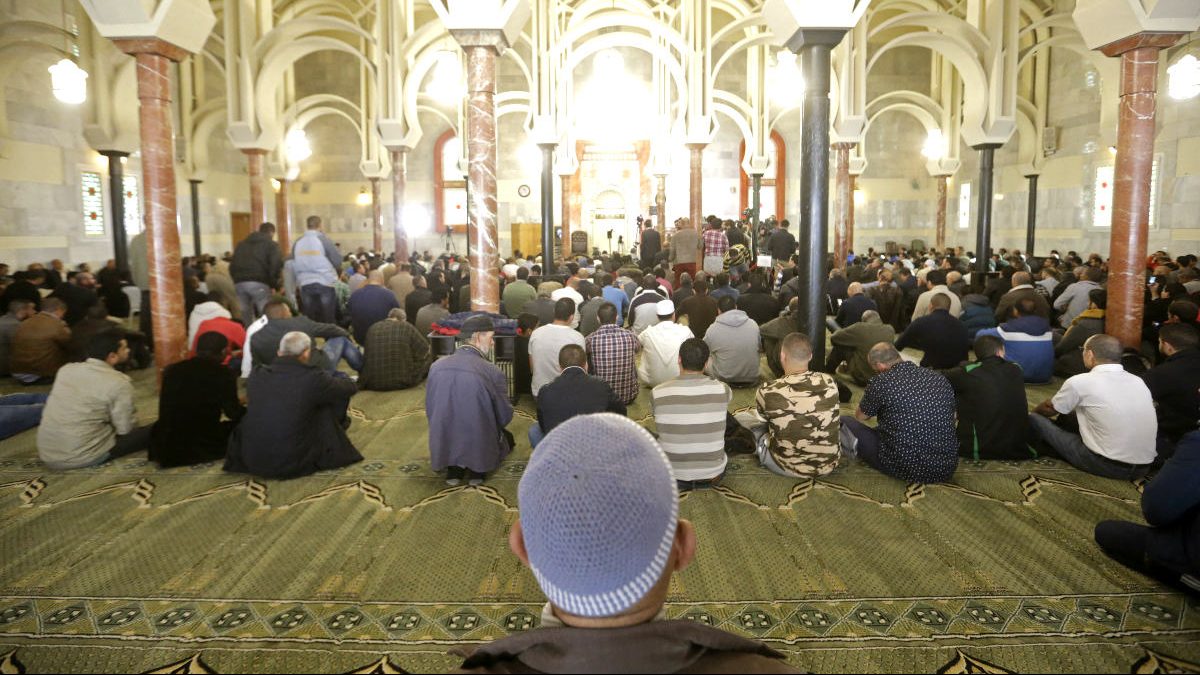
(397,357)
(715,243)
(611,350)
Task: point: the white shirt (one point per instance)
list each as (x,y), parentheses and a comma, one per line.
(923,302)
(568,292)
(247,359)
(1115,411)
(660,352)
(544,346)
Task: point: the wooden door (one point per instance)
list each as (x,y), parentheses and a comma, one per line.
(239,227)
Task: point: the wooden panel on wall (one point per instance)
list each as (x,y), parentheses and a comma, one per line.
(239,226)
(527,238)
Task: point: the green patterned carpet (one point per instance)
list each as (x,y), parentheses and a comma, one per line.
(380,565)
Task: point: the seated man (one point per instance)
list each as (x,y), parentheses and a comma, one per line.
(264,344)
(572,393)
(547,342)
(993,415)
(690,413)
(660,347)
(1069,350)
(194,395)
(852,309)
(398,355)
(939,334)
(700,310)
(233,332)
(435,312)
(18,311)
(522,373)
(852,344)
(1117,424)
(1175,384)
(773,332)
(612,352)
(466,403)
(90,417)
(642,312)
(19,412)
(41,344)
(370,304)
(733,341)
(1022,289)
(542,307)
(1028,341)
(916,440)
(799,437)
(758,303)
(1166,550)
(605,558)
(295,424)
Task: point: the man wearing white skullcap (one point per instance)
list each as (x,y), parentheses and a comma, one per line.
(660,346)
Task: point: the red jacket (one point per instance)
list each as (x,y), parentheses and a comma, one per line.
(232,330)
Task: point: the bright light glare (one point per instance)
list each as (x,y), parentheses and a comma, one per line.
(1184,80)
(446,84)
(69,82)
(297,146)
(936,146)
(364,198)
(608,108)
(860,198)
(416,220)
(785,84)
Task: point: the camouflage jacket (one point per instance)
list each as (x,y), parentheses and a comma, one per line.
(802,414)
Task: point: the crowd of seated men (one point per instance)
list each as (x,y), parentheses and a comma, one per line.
(685,324)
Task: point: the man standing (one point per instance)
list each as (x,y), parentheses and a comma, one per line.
(651,244)
(660,345)
(316,265)
(796,424)
(256,268)
(685,249)
(397,356)
(612,351)
(370,304)
(1117,422)
(716,244)
(90,417)
(547,341)
(296,422)
(572,393)
(733,341)
(467,406)
(690,413)
(916,440)
(781,245)
(993,414)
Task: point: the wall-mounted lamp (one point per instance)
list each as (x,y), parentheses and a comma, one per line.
(363,198)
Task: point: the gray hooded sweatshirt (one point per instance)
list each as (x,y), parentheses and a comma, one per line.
(733,341)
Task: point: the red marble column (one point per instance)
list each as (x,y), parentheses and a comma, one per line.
(1131,185)
(283,218)
(254,168)
(940,234)
(568,191)
(850,213)
(843,200)
(376,218)
(696,205)
(399,184)
(481,178)
(660,200)
(153,61)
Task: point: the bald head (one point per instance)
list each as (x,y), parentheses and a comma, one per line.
(883,356)
(375,277)
(871,316)
(854,289)
(1104,349)
(1022,279)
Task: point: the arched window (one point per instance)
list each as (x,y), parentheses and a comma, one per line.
(449,187)
(774,181)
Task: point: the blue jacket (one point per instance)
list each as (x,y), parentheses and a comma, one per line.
(1028,342)
(1171,505)
(466,402)
(315,260)
(976,317)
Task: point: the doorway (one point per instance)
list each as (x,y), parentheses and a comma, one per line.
(239,227)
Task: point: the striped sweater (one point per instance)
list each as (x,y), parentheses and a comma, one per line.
(690,415)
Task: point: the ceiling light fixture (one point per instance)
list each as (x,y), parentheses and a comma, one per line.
(935,146)
(67,79)
(297,146)
(363,198)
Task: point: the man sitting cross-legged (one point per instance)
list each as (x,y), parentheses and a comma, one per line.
(916,440)
(942,337)
(195,394)
(295,422)
(90,417)
(600,527)
(993,415)
(852,344)
(796,417)
(398,355)
(572,393)
(1115,411)
(690,413)
(264,344)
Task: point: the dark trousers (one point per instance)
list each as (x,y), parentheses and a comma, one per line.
(134,441)
(866,441)
(1129,544)
(319,302)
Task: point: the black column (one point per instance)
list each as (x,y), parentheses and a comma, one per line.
(196,214)
(116,193)
(983,232)
(814,48)
(548,209)
(1031,217)
(755,206)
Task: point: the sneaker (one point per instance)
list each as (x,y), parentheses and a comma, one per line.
(453,482)
(454,475)
(476,478)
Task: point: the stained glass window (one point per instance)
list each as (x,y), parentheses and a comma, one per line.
(133,206)
(1102,205)
(92,189)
